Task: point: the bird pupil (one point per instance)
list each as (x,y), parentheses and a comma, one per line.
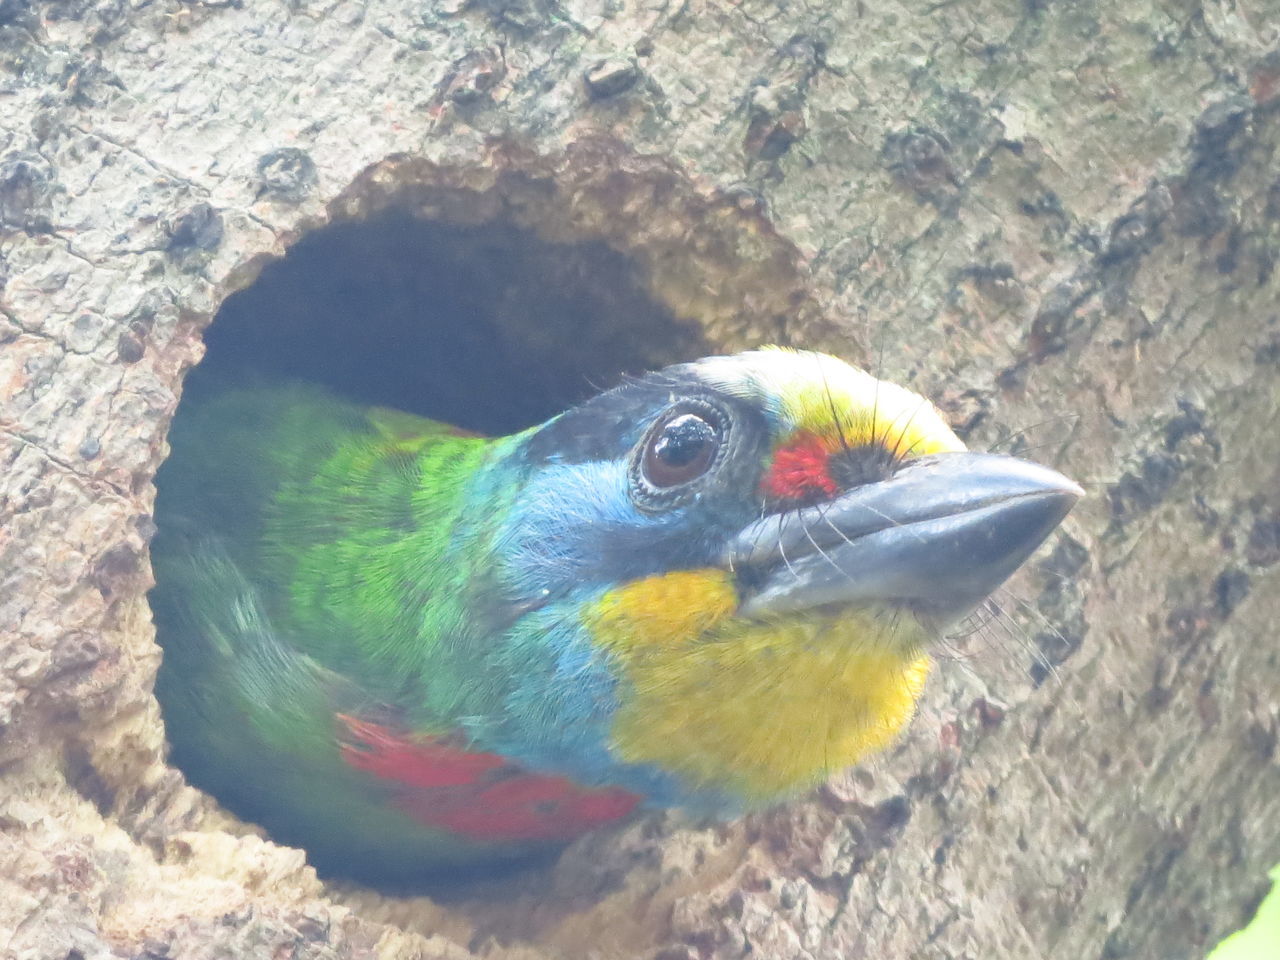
(683,440)
(680,450)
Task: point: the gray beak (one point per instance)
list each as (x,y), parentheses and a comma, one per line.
(938,537)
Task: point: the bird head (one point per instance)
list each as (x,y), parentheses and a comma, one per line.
(732,570)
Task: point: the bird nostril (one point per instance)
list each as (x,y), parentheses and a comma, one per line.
(867,463)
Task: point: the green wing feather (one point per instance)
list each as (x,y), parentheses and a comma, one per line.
(342,514)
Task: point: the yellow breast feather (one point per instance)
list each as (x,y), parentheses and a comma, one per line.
(763,708)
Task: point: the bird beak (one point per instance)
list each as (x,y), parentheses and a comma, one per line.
(937,537)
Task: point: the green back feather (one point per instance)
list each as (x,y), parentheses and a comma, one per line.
(344,515)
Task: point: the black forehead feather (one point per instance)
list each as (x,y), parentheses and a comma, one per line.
(610,423)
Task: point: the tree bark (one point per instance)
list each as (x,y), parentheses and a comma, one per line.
(1061,221)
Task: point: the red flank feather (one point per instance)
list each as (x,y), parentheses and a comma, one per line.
(480,795)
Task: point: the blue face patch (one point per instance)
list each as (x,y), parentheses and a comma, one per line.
(576,525)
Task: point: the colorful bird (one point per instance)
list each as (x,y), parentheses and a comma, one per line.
(411,650)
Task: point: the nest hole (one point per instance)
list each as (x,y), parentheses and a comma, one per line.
(484,326)
(492,299)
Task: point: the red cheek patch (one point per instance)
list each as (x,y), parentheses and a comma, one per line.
(800,472)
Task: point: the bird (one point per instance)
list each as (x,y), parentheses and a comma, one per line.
(416,652)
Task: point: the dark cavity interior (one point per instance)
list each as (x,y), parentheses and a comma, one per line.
(485,327)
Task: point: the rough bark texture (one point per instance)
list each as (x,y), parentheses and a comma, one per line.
(1036,212)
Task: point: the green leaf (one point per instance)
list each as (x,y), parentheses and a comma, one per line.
(1260,940)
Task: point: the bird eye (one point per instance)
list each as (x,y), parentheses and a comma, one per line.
(680,450)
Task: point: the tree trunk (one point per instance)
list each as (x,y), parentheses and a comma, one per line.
(1059,220)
